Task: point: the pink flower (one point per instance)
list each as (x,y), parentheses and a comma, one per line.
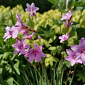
(67,24)
(39,37)
(73,57)
(67,16)
(64,37)
(27,36)
(20,46)
(19,25)
(11,32)
(80,50)
(31,9)
(35,53)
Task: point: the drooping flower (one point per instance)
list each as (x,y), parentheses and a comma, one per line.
(64,37)
(80,49)
(31,9)
(27,36)
(39,37)
(67,16)
(20,46)
(67,24)
(73,57)
(35,53)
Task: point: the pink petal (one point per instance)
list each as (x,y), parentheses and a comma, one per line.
(83,58)
(69,52)
(32,5)
(37,58)
(14,45)
(22,51)
(82,42)
(40,53)
(31,58)
(15,52)
(72,62)
(75,48)
(27,46)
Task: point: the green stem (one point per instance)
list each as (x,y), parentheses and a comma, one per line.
(72,75)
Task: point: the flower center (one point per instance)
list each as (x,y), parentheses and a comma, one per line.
(20,46)
(31,12)
(82,50)
(10,32)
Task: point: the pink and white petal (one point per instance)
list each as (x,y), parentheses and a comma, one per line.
(79,61)
(35,8)
(72,62)
(23,31)
(19,54)
(15,33)
(26,55)
(40,48)
(60,37)
(14,45)
(61,40)
(32,5)
(28,5)
(78,56)
(8,28)
(82,42)
(28,8)
(68,58)
(75,48)
(69,52)
(15,52)
(83,58)
(7,38)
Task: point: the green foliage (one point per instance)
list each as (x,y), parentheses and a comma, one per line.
(81,74)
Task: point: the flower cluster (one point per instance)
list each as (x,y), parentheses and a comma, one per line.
(77,54)
(20,46)
(67,17)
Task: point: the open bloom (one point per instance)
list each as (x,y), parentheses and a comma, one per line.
(73,57)
(67,16)
(20,46)
(31,9)
(10,32)
(64,37)
(35,53)
(80,49)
